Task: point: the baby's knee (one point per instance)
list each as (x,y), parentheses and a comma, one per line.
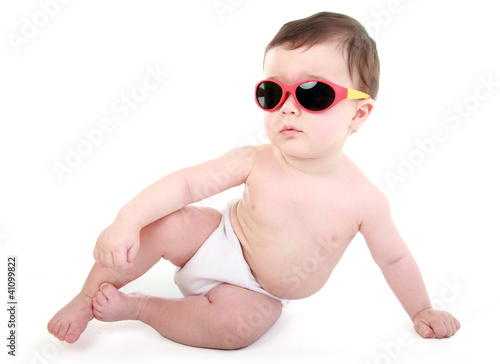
(235,333)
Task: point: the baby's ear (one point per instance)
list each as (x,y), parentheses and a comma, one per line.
(363,110)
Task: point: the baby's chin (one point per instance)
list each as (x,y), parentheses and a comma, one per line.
(306,150)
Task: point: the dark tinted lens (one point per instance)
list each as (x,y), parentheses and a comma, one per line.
(269,95)
(315,96)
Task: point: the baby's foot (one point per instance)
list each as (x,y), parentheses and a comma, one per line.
(109,304)
(69,323)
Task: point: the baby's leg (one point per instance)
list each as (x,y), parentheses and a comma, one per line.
(175,237)
(229,317)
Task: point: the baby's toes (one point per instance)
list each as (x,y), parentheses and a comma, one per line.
(61,332)
(109,291)
(97,307)
(54,327)
(99,300)
(74,332)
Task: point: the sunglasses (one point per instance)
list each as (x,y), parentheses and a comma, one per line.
(312,95)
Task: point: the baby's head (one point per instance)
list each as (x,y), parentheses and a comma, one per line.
(322,76)
(336,29)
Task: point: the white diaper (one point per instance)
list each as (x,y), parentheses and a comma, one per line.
(219,260)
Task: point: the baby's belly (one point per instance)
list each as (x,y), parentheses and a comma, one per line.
(289,265)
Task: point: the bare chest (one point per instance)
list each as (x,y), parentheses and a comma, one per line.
(293,235)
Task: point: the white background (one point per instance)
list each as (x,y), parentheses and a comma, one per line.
(78,58)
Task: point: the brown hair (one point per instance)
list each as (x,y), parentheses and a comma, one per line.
(326,27)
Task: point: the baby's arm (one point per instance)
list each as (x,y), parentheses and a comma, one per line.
(401,271)
(118,244)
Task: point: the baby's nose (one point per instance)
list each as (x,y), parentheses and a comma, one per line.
(290,105)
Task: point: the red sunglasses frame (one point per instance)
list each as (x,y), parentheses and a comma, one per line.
(341,93)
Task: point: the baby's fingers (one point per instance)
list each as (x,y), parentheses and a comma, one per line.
(109,259)
(441,329)
(99,258)
(424,330)
(132,254)
(443,325)
(451,326)
(116,260)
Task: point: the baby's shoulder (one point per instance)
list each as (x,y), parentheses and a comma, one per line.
(262,154)
(368,194)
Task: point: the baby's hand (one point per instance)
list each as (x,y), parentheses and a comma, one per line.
(117,246)
(432,323)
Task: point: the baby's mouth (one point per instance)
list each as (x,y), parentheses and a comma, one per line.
(289,131)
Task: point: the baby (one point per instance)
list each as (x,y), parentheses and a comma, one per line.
(303,203)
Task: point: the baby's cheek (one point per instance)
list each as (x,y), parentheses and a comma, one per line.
(329,132)
(273,124)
